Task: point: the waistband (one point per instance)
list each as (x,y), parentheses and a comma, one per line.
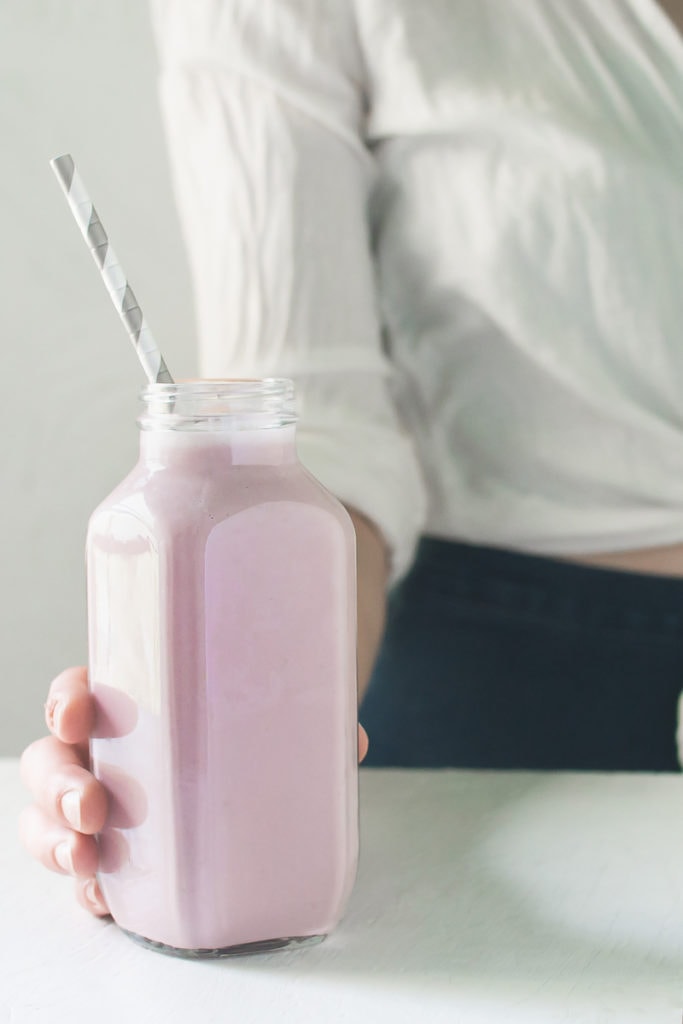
(540,588)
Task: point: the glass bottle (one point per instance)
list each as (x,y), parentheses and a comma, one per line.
(222,639)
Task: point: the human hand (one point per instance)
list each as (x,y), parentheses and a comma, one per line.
(70,805)
(363,742)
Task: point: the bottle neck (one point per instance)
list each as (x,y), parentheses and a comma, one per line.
(214,450)
(222,422)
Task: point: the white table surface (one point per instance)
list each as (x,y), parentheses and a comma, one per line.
(482,898)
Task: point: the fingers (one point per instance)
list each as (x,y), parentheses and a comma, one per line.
(66,791)
(57,847)
(70,709)
(70,804)
(363,742)
(65,851)
(89,895)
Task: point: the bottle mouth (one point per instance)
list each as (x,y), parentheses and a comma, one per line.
(218,404)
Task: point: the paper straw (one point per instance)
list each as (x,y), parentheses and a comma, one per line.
(115,282)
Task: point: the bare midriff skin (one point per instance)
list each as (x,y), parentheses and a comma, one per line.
(660,561)
(373,568)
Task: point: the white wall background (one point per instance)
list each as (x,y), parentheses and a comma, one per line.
(75,76)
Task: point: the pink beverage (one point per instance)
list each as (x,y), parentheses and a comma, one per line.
(222,628)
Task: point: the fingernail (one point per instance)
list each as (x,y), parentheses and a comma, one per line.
(53,714)
(63,857)
(71,808)
(93,894)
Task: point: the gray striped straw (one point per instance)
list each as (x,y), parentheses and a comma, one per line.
(114,279)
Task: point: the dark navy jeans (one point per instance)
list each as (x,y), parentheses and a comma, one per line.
(495,659)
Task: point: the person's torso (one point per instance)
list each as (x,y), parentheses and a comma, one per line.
(528,230)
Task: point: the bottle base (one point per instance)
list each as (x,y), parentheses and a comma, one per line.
(245,949)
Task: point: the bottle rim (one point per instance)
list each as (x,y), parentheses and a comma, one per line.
(258,388)
(217,404)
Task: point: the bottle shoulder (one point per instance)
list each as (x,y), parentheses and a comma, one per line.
(169,497)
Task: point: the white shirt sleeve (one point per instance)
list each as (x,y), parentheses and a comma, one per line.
(263,106)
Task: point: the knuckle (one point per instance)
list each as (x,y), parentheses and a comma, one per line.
(29,757)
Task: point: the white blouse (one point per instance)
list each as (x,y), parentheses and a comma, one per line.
(458,225)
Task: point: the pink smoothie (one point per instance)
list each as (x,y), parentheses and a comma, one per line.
(221,591)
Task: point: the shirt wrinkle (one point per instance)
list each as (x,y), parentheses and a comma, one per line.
(466,236)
